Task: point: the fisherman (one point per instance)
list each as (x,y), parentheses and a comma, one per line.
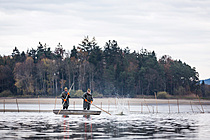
(88,99)
(65,98)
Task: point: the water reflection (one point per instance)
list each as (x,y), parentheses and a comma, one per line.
(87,128)
(66,127)
(134,126)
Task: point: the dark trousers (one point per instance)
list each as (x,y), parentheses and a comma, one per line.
(65,107)
(88,107)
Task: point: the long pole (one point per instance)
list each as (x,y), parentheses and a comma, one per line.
(17,105)
(64,101)
(98,107)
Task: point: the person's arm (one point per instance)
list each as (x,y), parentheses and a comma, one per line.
(62,96)
(69,95)
(84,97)
(91,99)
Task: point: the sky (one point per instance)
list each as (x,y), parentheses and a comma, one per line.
(178,28)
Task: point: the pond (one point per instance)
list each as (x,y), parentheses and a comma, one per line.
(131,125)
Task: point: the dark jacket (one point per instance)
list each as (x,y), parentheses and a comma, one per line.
(63,96)
(87,96)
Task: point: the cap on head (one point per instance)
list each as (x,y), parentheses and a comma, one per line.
(65,88)
(88,90)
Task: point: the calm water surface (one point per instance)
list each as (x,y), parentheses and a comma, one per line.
(129,126)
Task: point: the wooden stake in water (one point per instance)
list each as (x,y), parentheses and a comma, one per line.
(39,103)
(128,106)
(156,102)
(55,102)
(101,104)
(199,109)
(74,105)
(200,104)
(4,105)
(115,103)
(178,104)
(146,105)
(17,105)
(141,107)
(191,106)
(169,106)
(108,105)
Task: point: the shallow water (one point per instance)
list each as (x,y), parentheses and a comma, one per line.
(132,125)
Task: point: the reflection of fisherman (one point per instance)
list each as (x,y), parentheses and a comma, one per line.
(65,99)
(87,98)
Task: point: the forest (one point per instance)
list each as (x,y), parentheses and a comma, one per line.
(109,71)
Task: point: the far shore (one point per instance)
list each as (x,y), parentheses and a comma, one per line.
(104,101)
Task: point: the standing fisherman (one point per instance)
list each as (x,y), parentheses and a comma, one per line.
(64,98)
(88,99)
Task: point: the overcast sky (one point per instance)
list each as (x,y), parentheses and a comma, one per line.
(179,28)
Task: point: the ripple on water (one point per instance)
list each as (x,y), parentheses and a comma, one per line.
(133,126)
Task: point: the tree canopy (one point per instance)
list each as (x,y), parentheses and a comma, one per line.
(108,70)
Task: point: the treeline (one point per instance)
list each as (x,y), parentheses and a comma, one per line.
(110,71)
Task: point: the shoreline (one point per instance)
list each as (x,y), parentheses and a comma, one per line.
(104,101)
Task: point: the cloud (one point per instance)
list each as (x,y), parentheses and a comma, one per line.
(178,28)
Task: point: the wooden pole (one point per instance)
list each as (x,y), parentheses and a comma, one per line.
(101,104)
(4,105)
(168,106)
(39,103)
(199,109)
(191,106)
(200,104)
(128,106)
(115,104)
(178,104)
(141,107)
(156,102)
(146,105)
(17,105)
(55,102)
(108,105)
(98,107)
(74,105)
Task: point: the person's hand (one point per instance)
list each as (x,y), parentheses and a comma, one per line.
(91,102)
(68,93)
(85,100)
(64,100)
